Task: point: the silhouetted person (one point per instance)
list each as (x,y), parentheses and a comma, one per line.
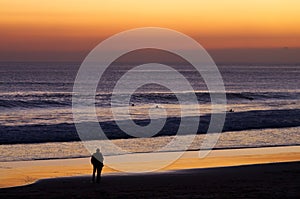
(97,162)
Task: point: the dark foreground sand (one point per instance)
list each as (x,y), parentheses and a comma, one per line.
(277,180)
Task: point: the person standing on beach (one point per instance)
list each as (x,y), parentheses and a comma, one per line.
(97,162)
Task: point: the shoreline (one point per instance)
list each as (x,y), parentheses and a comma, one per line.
(157,152)
(26,172)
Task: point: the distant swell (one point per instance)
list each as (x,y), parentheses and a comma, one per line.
(31,103)
(64,132)
(48,100)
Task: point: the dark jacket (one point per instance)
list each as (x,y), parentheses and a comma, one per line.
(97,160)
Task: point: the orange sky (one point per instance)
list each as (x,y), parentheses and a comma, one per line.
(63,29)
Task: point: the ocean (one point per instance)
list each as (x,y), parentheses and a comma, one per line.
(36,119)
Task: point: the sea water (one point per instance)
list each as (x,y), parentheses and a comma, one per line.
(36,119)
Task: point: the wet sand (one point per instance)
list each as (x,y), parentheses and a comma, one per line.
(27,172)
(276,180)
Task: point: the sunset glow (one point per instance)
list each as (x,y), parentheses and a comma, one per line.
(77,26)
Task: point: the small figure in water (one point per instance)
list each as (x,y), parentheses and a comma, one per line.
(97,162)
(231,110)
